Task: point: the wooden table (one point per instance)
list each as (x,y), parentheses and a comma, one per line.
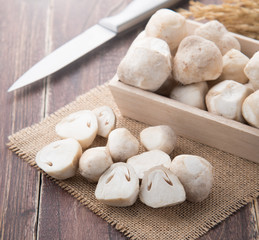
(31,206)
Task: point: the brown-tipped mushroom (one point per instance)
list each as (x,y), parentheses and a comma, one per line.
(146,65)
(161,188)
(118,186)
(197,60)
(196,175)
(106,120)
(252,70)
(122,144)
(147,160)
(94,162)
(60,159)
(167,25)
(217,33)
(81,125)
(160,137)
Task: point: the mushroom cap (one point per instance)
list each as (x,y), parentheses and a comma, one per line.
(118,186)
(60,159)
(106,120)
(160,137)
(122,144)
(234,63)
(226,99)
(167,25)
(197,60)
(196,175)
(161,188)
(217,33)
(252,70)
(94,162)
(191,94)
(147,160)
(146,65)
(250,109)
(81,125)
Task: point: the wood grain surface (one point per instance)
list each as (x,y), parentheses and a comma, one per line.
(31,206)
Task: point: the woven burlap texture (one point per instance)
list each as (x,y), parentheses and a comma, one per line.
(236,180)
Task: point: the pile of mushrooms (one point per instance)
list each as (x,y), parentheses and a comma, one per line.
(206,69)
(120,171)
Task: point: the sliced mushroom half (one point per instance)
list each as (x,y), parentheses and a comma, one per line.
(161,188)
(118,186)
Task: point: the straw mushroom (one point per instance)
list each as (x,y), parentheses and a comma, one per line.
(160,137)
(226,99)
(196,175)
(234,63)
(167,25)
(106,120)
(94,162)
(252,70)
(118,186)
(250,109)
(217,33)
(146,65)
(191,94)
(197,60)
(60,159)
(81,125)
(161,188)
(147,160)
(122,144)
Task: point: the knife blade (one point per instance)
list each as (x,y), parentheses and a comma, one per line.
(105,30)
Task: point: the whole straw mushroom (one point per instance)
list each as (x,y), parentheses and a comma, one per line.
(252,70)
(167,25)
(197,60)
(226,99)
(217,33)
(147,64)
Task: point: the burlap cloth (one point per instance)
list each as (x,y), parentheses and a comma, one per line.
(236,179)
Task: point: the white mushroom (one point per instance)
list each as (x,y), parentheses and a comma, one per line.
(167,25)
(252,70)
(191,94)
(217,33)
(226,99)
(122,144)
(160,137)
(196,175)
(250,109)
(81,125)
(118,186)
(197,60)
(147,160)
(147,65)
(234,63)
(106,120)
(60,159)
(94,162)
(161,188)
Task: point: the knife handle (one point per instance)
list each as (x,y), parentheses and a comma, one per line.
(134,13)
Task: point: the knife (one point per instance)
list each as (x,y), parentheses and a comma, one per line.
(105,30)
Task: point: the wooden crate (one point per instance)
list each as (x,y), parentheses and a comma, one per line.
(187,121)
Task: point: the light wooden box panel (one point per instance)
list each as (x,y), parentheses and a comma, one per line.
(199,125)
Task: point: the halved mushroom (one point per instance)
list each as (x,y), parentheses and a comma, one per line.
(106,120)
(60,159)
(94,162)
(81,125)
(122,144)
(196,175)
(118,186)
(161,188)
(147,160)
(160,137)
